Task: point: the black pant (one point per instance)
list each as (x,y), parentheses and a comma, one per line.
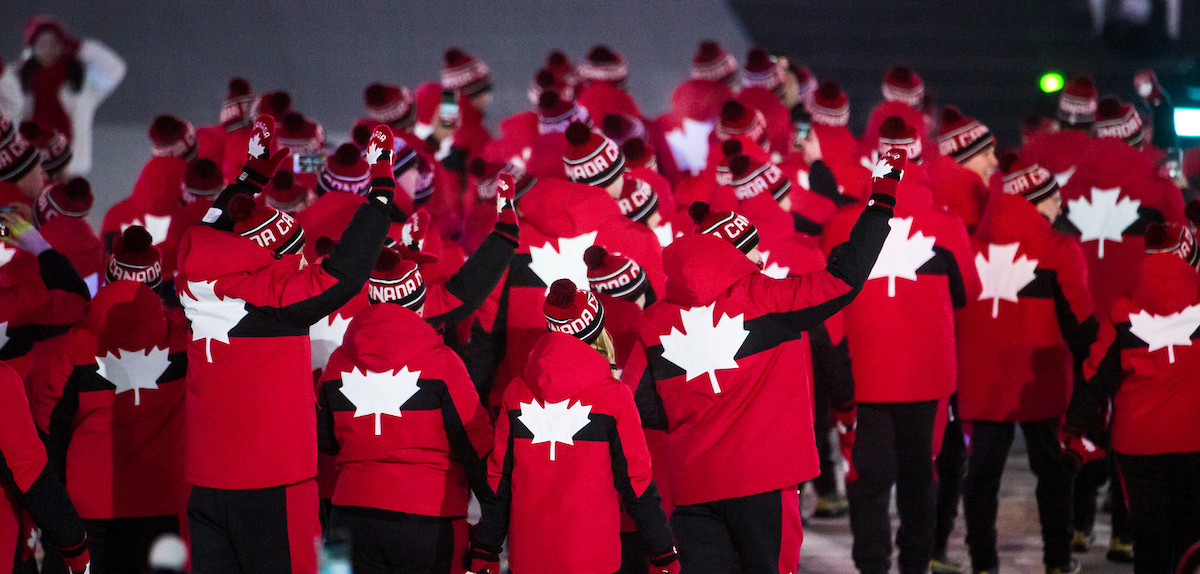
(894,445)
(990,443)
(260,531)
(951,463)
(633,554)
(826,483)
(387,542)
(122,545)
(760,533)
(1088,481)
(1164,503)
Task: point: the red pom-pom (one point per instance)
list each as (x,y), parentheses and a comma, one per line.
(1085,82)
(578,133)
(454,56)
(1006,161)
(951,115)
(732,111)
(203,169)
(562,294)
(361,135)
(347,154)
(1156,235)
(239,87)
(709,49)
(548,100)
(29,130)
(893,127)
(167,125)
(829,90)
(293,122)
(78,188)
(614,125)
(594,256)
(136,238)
(375,95)
(241,207)
(698,210)
(545,79)
(1108,108)
(731,148)
(388,260)
(634,147)
(900,74)
(281,101)
(283,179)
(602,53)
(739,165)
(557,59)
(758,58)
(1192,211)
(324,246)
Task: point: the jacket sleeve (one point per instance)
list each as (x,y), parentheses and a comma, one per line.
(1073,303)
(637,375)
(327,441)
(493,522)
(55,399)
(1101,378)
(476,279)
(964,279)
(40,312)
(633,477)
(831,365)
(467,428)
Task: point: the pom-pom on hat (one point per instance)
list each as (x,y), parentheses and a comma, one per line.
(762,71)
(547,80)
(72,199)
(591,158)
(396,279)
(54,148)
(555,114)
(1029,180)
(275,104)
(560,65)
(961,137)
(392,105)
(603,65)
(895,133)
(902,84)
(730,226)
(614,274)
(346,170)
(713,62)
(268,227)
(465,73)
(300,134)
(283,194)
(172,137)
(638,153)
(238,105)
(135,258)
(574,312)
(750,177)
(621,128)
(202,178)
(1077,102)
(1172,238)
(1117,120)
(738,120)
(830,106)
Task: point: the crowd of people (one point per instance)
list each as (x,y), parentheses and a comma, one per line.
(627,339)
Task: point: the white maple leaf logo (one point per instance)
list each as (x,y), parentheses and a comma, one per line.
(689,144)
(379,394)
(1170,331)
(880,169)
(156,225)
(773,269)
(706,345)
(1062,177)
(6,253)
(566,262)
(554,423)
(665,234)
(211,315)
(255,148)
(325,336)
(1002,274)
(3,334)
(373,153)
(1102,218)
(134,370)
(901,255)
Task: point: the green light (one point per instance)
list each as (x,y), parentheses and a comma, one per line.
(1051,82)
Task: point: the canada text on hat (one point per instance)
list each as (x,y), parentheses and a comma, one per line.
(762,71)
(573,312)
(1117,120)
(749,179)
(72,199)
(638,200)
(396,280)
(555,114)
(830,106)
(17,156)
(1077,103)
(465,73)
(591,158)
(902,84)
(172,137)
(388,104)
(268,227)
(1172,238)
(738,120)
(614,274)
(1031,181)
(712,62)
(894,133)
(602,64)
(962,137)
(134,258)
(730,226)
(345,171)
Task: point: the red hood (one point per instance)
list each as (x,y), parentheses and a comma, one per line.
(911,116)
(560,366)
(773,223)
(701,267)
(221,253)
(370,340)
(159,186)
(126,315)
(700,100)
(1008,218)
(1167,284)
(560,208)
(914,193)
(1114,160)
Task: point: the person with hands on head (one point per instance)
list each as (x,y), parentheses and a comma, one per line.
(250,430)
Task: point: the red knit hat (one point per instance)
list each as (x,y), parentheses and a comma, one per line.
(638,201)
(729,149)
(1172,238)
(268,227)
(621,128)
(895,133)
(591,158)
(283,194)
(806,82)
(392,105)
(1035,124)
(830,106)
(301,134)
(275,104)
(346,170)
(236,111)
(1077,103)
(961,137)
(556,114)
(465,73)
(638,153)
(902,84)
(560,65)
(423,186)
(173,137)
(54,148)
(574,312)
(396,279)
(730,226)
(47,23)
(202,178)
(1117,120)
(135,258)
(712,62)
(614,274)
(546,80)
(1029,180)
(738,120)
(72,199)
(17,156)
(762,71)
(603,65)
(750,177)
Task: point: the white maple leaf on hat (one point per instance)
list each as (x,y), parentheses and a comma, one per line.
(902,255)
(705,346)
(134,370)
(255,148)
(555,422)
(1103,217)
(156,225)
(6,253)
(3,334)
(325,336)
(379,394)
(1170,331)
(211,316)
(689,145)
(773,269)
(666,234)
(565,262)
(1002,274)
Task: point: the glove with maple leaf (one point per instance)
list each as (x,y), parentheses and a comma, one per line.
(379,155)
(261,164)
(1145,81)
(480,561)
(886,175)
(76,557)
(846,419)
(665,564)
(506,213)
(1077,450)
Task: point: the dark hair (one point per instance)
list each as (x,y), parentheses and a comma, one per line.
(75,73)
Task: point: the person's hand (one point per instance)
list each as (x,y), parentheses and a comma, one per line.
(666,564)
(1145,81)
(506,213)
(1077,450)
(76,557)
(846,420)
(379,154)
(22,234)
(887,173)
(261,164)
(482,561)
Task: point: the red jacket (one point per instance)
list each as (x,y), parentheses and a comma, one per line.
(957,188)
(74,237)
(40,298)
(402,417)
(603,98)
(1058,152)
(155,198)
(568,452)
(250,411)
(517,133)
(839,149)
(1014,357)
(739,332)
(779,119)
(123,450)
(905,312)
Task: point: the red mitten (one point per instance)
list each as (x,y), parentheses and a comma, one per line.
(666,564)
(847,428)
(1077,450)
(483,561)
(76,557)
(261,164)
(886,174)
(506,213)
(1146,83)
(379,155)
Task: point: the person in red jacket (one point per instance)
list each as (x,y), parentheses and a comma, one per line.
(250,430)
(1146,361)
(560,503)
(764,84)
(740,439)
(905,313)
(1059,150)
(1019,345)
(405,423)
(157,194)
(62,212)
(602,84)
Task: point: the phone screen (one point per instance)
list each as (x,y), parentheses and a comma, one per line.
(307,162)
(448,109)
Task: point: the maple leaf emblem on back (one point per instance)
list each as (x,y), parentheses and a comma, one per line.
(134,370)
(665,234)
(556,422)
(1170,331)
(901,255)
(1002,274)
(156,225)
(566,262)
(6,253)
(255,148)
(325,336)
(772,269)
(379,394)
(211,316)
(689,144)
(1103,217)
(706,345)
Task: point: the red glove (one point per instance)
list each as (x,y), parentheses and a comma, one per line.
(1077,450)
(506,213)
(1147,86)
(847,426)
(888,172)
(483,561)
(665,564)
(261,164)
(379,155)
(76,557)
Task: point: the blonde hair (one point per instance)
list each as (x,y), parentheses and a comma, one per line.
(604,345)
